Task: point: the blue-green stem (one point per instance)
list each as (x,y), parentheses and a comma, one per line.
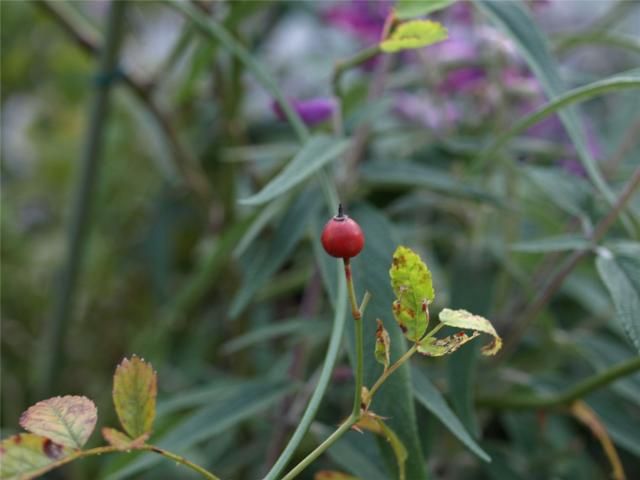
(356,412)
(52,354)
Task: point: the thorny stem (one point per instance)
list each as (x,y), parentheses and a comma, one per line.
(356,411)
(111,449)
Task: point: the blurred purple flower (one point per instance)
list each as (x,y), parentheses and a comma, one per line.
(362,18)
(463,79)
(311,110)
(423,111)
(573,166)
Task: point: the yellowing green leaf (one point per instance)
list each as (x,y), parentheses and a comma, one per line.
(437,347)
(413,34)
(464,319)
(67,420)
(411,282)
(134,396)
(25,456)
(383,345)
(121,440)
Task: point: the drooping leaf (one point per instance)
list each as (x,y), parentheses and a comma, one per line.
(67,420)
(25,456)
(411,282)
(383,345)
(375,424)
(432,400)
(121,440)
(134,396)
(624,288)
(316,153)
(333,475)
(413,34)
(464,319)
(437,347)
(405,9)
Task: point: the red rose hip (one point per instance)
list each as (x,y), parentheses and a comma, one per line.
(342,237)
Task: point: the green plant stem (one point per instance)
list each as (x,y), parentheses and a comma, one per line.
(356,313)
(111,449)
(576,392)
(51,360)
(343,65)
(356,411)
(320,449)
(387,373)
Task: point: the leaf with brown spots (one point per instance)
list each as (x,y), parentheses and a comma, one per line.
(121,440)
(67,420)
(437,347)
(134,396)
(411,282)
(25,456)
(383,345)
(464,319)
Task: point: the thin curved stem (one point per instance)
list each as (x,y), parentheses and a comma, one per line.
(320,449)
(111,449)
(567,397)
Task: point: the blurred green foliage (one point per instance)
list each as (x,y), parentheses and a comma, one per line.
(161,278)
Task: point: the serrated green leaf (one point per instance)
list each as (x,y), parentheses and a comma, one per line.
(134,396)
(413,34)
(383,345)
(464,319)
(67,420)
(405,9)
(437,347)
(432,400)
(625,292)
(222,412)
(318,151)
(25,456)
(411,282)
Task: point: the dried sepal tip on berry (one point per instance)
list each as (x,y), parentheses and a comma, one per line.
(342,237)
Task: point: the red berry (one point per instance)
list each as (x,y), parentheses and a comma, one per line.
(342,237)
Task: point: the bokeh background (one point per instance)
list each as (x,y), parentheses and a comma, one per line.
(223,296)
